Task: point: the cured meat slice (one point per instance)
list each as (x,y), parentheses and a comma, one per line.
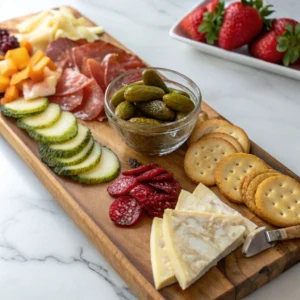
(163,177)
(93,96)
(125,211)
(68,102)
(132,78)
(171,187)
(60,52)
(96,50)
(132,62)
(70,82)
(122,186)
(138,170)
(58,48)
(142,193)
(150,174)
(93,103)
(94,69)
(112,67)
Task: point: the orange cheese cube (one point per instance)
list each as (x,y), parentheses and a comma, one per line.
(11,94)
(26,44)
(36,72)
(36,57)
(20,57)
(4,83)
(18,77)
(8,67)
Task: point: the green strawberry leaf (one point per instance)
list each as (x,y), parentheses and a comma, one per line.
(286,59)
(282,47)
(289,28)
(294,55)
(212,23)
(297,29)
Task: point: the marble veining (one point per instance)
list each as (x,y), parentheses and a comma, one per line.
(43,255)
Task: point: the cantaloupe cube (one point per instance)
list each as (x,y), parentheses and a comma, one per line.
(11,94)
(4,83)
(26,44)
(8,67)
(20,57)
(20,76)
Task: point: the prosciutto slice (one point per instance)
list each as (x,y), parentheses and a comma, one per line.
(71,82)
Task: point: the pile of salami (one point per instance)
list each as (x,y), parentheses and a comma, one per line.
(88,68)
(148,188)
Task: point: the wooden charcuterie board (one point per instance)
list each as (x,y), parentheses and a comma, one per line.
(128,249)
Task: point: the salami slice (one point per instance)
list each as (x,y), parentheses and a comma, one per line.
(94,69)
(112,68)
(125,211)
(142,193)
(71,82)
(122,186)
(138,170)
(93,96)
(133,62)
(150,174)
(163,201)
(171,187)
(154,212)
(68,102)
(57,49)
(163,177)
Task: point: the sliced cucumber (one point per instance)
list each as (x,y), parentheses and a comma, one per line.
(24,108)
(61,131)
(69,148)
(106,170)
(84,166)
(42,120)
(70,161)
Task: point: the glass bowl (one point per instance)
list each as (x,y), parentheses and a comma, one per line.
(158,139)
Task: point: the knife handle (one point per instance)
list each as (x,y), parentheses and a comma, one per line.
(282,234)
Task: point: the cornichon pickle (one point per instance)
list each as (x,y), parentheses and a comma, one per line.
(152,78)
(180,115)
(144,121)
(125,110)
(171,90)
(157,109)
(138,93)
(118,96)
(178,102)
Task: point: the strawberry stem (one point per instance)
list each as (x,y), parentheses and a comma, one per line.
(212,23)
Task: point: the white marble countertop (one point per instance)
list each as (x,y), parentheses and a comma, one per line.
(43,255)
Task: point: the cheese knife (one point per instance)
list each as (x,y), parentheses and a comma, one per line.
(261,239)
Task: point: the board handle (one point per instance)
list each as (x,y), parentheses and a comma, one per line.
(282,234)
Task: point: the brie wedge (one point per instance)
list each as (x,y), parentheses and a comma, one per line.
(161,266)
(205,200)
(196,241)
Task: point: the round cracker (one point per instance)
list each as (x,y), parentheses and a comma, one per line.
(202,157)
(248,179)
(231,171)
(227,138)
(205,127)
(278,201)
(249,196)
(238,133)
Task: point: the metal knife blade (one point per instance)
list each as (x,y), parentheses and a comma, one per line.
(256,242)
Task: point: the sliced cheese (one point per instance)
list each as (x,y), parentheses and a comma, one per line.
(161,266)
(197,241)
(205,200)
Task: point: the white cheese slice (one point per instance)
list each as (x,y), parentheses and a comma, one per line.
(205,200)
(196,241)
(161,266)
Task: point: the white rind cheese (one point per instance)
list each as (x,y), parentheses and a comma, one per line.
(205,200)
(161,266)
(196,241)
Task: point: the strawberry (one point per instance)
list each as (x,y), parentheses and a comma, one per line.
(237,25)
(192,21)
(279,45)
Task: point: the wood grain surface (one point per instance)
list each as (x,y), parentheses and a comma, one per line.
(128,249)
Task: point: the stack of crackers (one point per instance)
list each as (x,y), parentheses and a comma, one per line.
(218,154)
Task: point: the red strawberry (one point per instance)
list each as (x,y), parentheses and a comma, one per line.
(237,25)
(191,23)
(280,45)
